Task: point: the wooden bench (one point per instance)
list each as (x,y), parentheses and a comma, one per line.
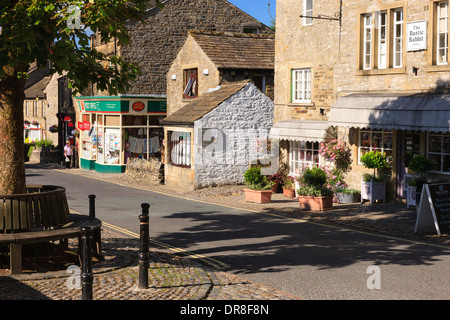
(41,215)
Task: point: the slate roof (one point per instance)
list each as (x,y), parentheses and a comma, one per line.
(38,79)
(230,50)
(204,104)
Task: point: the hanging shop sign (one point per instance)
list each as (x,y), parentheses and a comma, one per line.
(84,125)
(123,104)
(416,36)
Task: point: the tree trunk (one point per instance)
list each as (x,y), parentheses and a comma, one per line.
(12,164)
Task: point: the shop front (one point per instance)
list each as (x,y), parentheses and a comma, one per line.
(115,129)
(401,125)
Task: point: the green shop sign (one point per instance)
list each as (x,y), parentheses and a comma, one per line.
(132,105)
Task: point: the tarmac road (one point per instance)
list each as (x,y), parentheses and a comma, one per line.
(309,260)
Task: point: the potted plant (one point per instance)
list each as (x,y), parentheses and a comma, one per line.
(276,180)
(373,187)
(288,187)
(258,186)
(313,193)
(347,195)
(419,165)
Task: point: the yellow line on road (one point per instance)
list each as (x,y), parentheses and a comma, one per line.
(210,261)
(266,213)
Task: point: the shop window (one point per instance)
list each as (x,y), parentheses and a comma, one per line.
(301,86)
(190,83)
(439,152)
(375,140)
(381,30)
(180,148)
(303,154)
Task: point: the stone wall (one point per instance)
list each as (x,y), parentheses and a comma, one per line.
(317,47)
(156,40)
(249,110)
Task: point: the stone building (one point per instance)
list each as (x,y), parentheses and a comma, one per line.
(209,140)
(38,116)
(374,73)
(156,39)
(208,58)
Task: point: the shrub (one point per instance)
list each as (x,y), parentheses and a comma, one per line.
(314,176)
(255,180)
(374,160)
(420,164)
(46,143)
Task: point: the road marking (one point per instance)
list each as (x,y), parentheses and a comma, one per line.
(210,261)
(271,214)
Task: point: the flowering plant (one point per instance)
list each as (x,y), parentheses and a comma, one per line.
(288,182)
(338,152)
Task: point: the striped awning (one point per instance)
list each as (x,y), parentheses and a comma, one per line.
(301,130)
(418,112)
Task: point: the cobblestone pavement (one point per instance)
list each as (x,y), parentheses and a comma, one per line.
(172,277)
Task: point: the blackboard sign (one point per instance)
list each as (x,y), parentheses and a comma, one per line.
(434,207)
(440,197)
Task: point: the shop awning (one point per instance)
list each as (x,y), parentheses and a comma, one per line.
(419,112)
(301,130)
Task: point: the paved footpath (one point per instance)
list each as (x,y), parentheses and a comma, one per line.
(171,277)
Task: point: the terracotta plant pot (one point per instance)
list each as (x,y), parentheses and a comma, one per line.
(275,187)
(290,193)
(258,196)
(315,203)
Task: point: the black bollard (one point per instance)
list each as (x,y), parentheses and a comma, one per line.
(86,263)
(92,205)
(144,239)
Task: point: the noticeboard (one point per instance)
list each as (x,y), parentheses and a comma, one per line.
(434,207)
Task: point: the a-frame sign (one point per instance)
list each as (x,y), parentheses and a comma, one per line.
(434,208)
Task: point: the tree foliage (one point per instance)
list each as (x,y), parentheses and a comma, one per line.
(59,32)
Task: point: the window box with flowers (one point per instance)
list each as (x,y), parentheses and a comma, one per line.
(53,129)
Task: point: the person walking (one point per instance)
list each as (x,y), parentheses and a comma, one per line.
(68,153)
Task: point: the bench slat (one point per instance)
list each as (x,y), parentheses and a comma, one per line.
(2,214)
(16,213)
(37,217)
(8,216)
(23,208)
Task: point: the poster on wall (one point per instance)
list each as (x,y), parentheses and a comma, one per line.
(112,146)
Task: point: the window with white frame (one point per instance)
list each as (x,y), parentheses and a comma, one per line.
(439,152)
(398,38)
(382,40)
(375,140)
(367,46)
(180,148)
(307,12)
(301,86)
(303,154)
(442,32)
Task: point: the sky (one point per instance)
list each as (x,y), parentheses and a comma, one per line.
(257,9)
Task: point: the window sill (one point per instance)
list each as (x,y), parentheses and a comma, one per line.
(376,72)
(301,104)
(439,68)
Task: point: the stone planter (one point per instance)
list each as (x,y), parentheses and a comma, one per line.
(348,197)
(258,196)
(315,203)
(373,191)
(290,193)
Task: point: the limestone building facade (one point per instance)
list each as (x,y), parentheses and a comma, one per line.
(374,73)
